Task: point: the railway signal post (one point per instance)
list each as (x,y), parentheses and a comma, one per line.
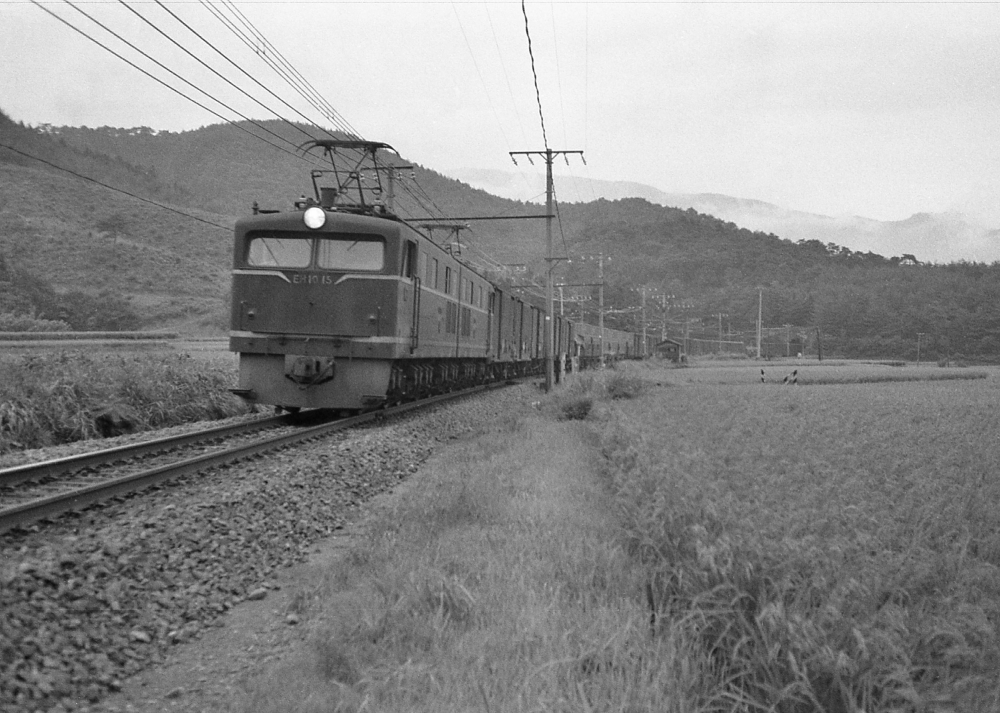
(549,156)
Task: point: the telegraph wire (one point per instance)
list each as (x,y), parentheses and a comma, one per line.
(117,190)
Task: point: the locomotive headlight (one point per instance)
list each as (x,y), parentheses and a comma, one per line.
(314,217)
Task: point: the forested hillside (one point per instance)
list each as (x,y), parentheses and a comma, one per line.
(864,304)
(75,238)
(92,258)
(226,170)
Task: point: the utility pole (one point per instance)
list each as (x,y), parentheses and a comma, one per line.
(760,314)
(549,156)
(600,301)
(919,335)
(663,306)
(721,315)
(643,320)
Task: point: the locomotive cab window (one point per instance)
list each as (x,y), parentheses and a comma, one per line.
(333,251)
(350,252)
(409,267)
(272,251)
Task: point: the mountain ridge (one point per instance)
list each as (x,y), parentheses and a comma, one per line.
(949,236)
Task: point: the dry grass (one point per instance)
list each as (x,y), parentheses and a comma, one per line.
(57,397)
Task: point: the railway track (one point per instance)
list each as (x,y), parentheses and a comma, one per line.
(39,491)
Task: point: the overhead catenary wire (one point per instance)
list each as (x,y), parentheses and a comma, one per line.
(419,196)
(228,59)
(172,88)
(510,89)
(534,73)
(290,74)
(161,81)
(297,81)
(482,81)
(555,49)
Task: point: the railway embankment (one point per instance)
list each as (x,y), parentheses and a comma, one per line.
(88,601)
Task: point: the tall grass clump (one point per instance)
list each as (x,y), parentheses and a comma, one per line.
(53,398)
(830,549)
(10,322)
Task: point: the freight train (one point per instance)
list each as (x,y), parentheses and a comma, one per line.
(339,304)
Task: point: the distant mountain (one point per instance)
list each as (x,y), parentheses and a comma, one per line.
(930,237)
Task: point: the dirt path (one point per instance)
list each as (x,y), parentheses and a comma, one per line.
(205,675)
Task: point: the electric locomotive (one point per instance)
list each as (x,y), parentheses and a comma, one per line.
(339,304)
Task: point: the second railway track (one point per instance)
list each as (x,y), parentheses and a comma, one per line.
(33,492)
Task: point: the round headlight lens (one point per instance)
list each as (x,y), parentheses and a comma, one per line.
(314,217)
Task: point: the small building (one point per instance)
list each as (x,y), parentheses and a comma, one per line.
(669,349)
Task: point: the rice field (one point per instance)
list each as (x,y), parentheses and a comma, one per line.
(831,547)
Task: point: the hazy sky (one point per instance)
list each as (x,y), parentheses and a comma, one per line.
(881,110)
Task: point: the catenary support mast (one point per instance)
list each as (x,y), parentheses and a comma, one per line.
(549,156)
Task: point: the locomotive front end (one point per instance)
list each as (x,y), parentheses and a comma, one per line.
(314,310)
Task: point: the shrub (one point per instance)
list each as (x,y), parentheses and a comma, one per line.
(577,409)
(29,323)
(622,385)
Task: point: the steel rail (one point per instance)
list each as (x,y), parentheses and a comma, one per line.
(42,508)
(57,466)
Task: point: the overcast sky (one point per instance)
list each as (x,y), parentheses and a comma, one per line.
(881,110)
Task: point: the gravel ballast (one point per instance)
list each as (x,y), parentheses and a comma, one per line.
(91,599)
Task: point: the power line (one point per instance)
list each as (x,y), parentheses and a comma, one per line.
(538,94)
(117,190)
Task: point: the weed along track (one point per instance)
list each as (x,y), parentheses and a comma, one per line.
(42,490)
(88,600)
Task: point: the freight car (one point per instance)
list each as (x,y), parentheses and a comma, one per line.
(342,305)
